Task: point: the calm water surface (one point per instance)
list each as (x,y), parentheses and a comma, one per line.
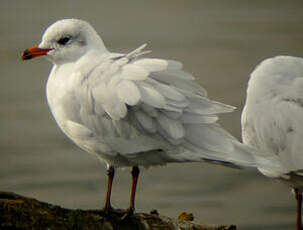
(220,42)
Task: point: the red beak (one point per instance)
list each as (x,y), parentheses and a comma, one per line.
(32,52)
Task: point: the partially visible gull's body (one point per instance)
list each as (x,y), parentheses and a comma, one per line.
(272,119)
(130,110)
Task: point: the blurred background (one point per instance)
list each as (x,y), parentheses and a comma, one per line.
(220,42)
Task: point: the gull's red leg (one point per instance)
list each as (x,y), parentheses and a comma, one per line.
(135,175)
(299,208)
(110,174)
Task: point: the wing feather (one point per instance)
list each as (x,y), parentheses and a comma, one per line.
(146,121)
(152,97)
(134,72)
(147,104)
(128,92)
(174,128)
(152,64)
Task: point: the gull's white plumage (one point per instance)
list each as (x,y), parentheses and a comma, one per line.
(272,119)
(273,114)
(131,110)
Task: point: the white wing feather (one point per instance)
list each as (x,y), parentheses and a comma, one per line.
(148,104)
(128,92)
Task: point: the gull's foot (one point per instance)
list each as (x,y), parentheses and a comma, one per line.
(129,212)
(109,211)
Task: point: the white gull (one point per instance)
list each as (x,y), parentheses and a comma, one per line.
(129,110)
(272,119)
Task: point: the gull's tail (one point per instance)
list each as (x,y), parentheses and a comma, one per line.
(268,164)
(216,145)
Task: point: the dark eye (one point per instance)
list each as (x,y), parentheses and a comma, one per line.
(63,40)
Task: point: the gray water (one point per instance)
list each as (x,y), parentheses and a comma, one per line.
(220,42)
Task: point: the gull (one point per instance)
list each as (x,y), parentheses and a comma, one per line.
(272,119)
(129,110)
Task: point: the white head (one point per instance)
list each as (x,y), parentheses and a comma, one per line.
(66,41)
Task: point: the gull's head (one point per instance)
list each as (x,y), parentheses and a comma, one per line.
(66,41)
